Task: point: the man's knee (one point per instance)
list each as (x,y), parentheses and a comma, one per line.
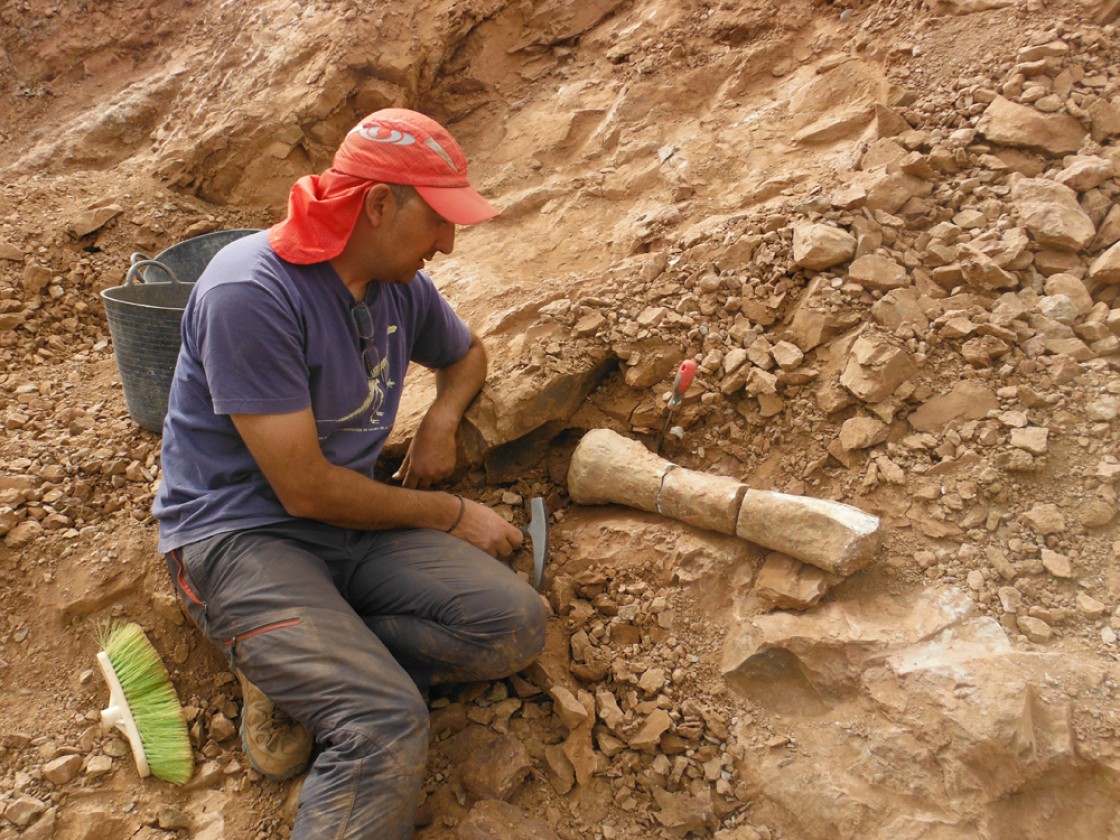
(393,730)
(530,628)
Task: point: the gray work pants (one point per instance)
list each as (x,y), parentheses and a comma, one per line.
(339,628)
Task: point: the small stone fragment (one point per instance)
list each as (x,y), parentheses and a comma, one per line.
(1033,439)
(23,809)
(1035,629)
(875,272)
(648,736)
(61,770)
(862,432)
(1045,519)
(98,765)
(172,819)
(818,247)
(1056,564)
(496,770)
(785,583)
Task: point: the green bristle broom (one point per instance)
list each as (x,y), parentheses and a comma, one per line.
(143,703)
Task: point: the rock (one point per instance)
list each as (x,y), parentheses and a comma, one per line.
(22,809)
(172,819)
(61,770)
(1108,232)
(816,320)
(494,820)
(1097,512)
(1089,606)
(1056,564)
(526,412)
(898,307)
(208,775)
(590,324)
(786,584)
(1035,629)
(683,814)
(984,273)
(10,252)
(1051,214)
(832,127)
(1045,518)
(652,682)
(818,247)
(889,123)
(1033,439)
(830,646)
(44,828)
(875,272)
(23,534)
(497,769)
(607,708)
(647,738)
(787,355)
(876,367)
(578,746)
(567,707)
(882,154)
(889,191)
(1106,268)
(1073,288)
(1103,409)
(848,197)
(561,774)
(862,432)
(1018,125)
(98,765)
(93,219)
(221,728)
(1084,172)
(1106,119)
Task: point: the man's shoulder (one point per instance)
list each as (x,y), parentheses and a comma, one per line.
(245,260)
(251,263)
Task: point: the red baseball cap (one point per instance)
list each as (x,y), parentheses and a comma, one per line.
(398,146)
(391,146)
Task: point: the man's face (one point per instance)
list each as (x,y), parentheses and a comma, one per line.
(414,234)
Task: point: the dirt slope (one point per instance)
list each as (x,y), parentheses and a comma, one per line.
(663,168)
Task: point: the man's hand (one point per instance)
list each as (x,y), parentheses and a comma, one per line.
(484,529)
(431,454)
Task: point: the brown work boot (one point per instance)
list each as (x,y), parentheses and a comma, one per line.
(278,747)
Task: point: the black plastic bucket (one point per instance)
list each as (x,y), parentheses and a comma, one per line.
(145,317)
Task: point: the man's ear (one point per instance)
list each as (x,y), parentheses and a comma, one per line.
(377,202)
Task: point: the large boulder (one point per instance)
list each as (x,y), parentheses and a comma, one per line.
(1106,268)
(818,247)
(1051,214)
(924,722)
(876,367)
(1009,124)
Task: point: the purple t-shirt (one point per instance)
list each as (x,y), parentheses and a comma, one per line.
(264,336)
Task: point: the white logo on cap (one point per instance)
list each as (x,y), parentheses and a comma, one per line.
(372,132)
(442,152)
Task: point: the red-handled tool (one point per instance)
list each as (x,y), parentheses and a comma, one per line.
(685,372)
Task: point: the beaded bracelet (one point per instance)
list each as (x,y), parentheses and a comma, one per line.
(459,517)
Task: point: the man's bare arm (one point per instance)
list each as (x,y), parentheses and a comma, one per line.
(286,448)
(431,454)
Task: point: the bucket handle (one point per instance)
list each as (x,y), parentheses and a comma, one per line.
(140,261)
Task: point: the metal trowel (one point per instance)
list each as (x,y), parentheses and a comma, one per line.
(537,534)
